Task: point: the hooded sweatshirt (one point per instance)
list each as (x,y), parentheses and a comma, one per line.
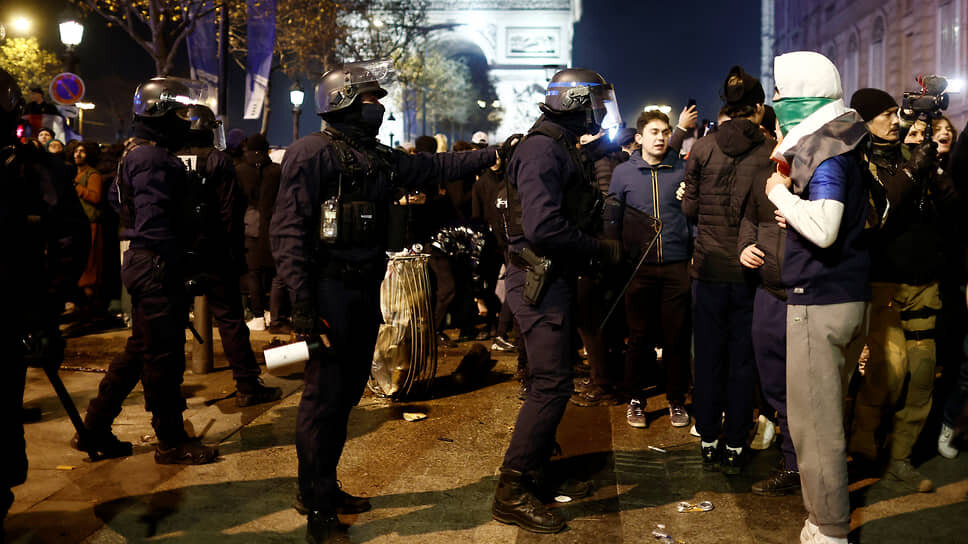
(721,169)
(826,257)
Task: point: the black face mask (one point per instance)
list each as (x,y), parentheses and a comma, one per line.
(371,117)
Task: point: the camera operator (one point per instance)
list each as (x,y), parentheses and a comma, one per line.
(46,257)
(906,264)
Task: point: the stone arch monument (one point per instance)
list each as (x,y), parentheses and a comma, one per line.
(524,42)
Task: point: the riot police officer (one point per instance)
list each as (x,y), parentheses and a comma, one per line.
(155,203)
(328,236)
(221,262)
(552,208)
(47,251)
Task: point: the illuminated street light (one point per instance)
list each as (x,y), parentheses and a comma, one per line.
(496,104)
(71,33)
(481,104)
(296,96)
(377,23)
(21,24)
(956,85)
(655,107)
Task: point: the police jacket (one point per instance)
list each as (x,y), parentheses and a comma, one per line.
(542,169)
(652,189)
(156,179)
(314,171)
(225,238)
(759,227)
(48,238)
(720,170)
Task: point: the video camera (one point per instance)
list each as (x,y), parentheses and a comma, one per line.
(927,103)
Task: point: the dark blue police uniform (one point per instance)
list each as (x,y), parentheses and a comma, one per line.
(341,280)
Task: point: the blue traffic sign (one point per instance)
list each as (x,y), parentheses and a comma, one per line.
(66,88)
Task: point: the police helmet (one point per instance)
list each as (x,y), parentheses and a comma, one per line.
(161,95)
(338,88)
(203,120)
(583,90)
(11,104)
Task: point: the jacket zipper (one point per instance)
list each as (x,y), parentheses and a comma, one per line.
(655,207)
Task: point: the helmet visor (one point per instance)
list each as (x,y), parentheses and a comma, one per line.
(605,108)
(375,71)
(219,132)
(170,93)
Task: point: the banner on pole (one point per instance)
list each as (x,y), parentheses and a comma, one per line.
(203,48)
(261,25)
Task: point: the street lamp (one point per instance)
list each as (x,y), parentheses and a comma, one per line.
(21,24)
(391,118)
(71,34)
(296,97)
(81,108)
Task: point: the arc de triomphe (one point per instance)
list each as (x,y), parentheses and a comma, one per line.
(523,41)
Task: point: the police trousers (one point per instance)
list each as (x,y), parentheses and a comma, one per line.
(547,332)
(902,349)
(334,385)
(13,459)
(155,351)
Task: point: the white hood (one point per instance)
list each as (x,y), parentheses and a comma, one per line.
(808,74)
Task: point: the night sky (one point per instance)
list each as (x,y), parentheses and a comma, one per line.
(652,51)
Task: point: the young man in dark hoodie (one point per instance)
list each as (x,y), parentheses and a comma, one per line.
(721,168)
(658,299)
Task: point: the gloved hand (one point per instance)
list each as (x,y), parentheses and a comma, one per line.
(923,160)
(305,320)
(610,251)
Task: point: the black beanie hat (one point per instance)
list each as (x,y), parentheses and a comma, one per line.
(742,89)
(870,103)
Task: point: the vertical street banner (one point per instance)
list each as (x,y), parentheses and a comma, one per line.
(203,47)
(261,30)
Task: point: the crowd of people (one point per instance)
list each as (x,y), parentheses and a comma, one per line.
(755,262)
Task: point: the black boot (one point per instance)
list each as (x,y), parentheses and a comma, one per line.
(515,504)
(325,529)
(101,444)
(346,504)
(250,392)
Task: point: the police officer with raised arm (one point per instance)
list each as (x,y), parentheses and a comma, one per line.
(554,207)
(329,238)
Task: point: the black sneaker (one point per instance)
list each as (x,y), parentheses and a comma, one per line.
(595,396)
(101,445)
(250,393)
(325,529)
(711,457)
(346,504)
(502,344)
(189,452)
(733,461)
(780,482)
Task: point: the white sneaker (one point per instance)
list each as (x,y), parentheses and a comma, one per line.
(694,432)
(635,415)
(945,448)
(268,316)
(810,534)
(256,323)
(765,433)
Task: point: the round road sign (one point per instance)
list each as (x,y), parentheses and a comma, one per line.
(66,88)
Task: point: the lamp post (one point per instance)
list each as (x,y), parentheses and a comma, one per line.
(391,118)
(71,34)
(81,108)
(296,97)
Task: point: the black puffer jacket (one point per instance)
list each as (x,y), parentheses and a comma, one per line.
(759,227)
(719,173)
(259,180)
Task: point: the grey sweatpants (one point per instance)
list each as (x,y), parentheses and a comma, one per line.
(823,344)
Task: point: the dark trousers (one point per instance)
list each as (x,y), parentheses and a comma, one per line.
(257,282)
(334,385)
(547,332)
(722,318)
(657,311)
(225,303)
(769,350)
(279,305)
(955,404)
(13,455)
(445,289)
(154,353)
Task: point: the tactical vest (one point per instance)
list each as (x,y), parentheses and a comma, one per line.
(582,201)
(354,212)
